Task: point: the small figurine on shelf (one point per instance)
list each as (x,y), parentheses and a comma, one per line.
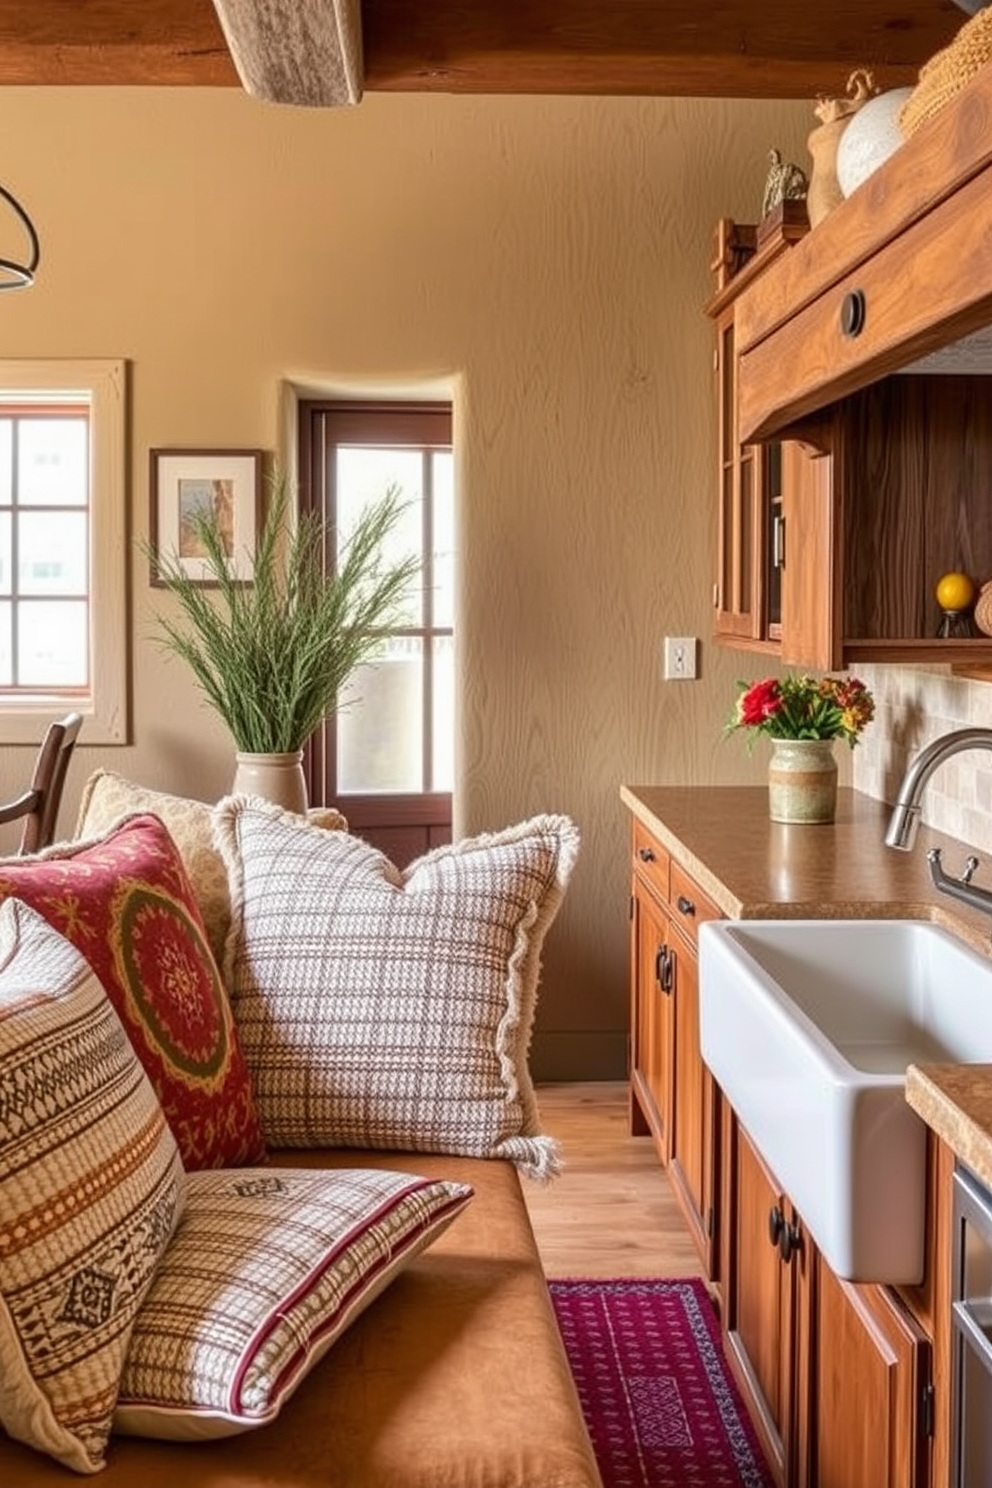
(785,182)
(955,593)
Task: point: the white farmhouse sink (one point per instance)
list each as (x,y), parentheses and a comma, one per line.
(808,1027)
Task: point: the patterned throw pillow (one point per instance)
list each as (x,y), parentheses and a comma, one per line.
(125,902)
(392,1010)
(91,1187)
(266,1271)
(109,798)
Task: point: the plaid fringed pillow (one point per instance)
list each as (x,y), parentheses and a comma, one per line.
(387,1009)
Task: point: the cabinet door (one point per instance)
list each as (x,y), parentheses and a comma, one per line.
(692,1140)
(870,1370)
(806,549)
(652,1021)
(759,1297)
(739,599)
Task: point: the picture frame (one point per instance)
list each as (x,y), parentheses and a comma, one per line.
(184,481)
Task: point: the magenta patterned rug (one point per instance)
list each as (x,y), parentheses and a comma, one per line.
(662,1409)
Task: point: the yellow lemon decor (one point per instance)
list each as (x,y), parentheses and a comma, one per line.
(955,591)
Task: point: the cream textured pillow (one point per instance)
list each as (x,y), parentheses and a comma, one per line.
(266,1271)
(388,1009)
(108,798)
(91,1187)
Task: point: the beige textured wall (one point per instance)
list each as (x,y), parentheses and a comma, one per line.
(547,259)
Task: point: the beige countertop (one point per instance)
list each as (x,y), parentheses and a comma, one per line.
(754,868)
(955,1100)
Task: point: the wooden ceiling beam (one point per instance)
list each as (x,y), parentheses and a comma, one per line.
(734,48)
(694,48)
(172,43)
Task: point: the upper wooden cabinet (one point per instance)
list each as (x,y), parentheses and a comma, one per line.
(774,587)
(907,259)
(863,350)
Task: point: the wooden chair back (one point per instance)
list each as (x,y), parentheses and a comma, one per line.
(39,804)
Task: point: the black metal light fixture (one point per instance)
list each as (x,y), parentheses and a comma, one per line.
(14,275)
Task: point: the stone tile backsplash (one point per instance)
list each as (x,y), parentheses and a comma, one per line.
(912,706)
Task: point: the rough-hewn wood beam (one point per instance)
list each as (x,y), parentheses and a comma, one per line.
(746,48)
(736,48)
(96,42)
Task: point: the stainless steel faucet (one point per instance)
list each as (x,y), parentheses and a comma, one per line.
(905,817)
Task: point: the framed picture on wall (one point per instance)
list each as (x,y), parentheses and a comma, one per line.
(185,484)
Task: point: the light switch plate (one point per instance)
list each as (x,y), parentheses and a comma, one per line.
(680,658)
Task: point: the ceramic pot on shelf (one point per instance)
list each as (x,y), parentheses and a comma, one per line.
(802,781)
(277,778)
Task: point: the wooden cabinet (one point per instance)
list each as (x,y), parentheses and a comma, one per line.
(673,1097)
(760,1295)
(774,588)
(869,343)
(870,1373)
(837,1376)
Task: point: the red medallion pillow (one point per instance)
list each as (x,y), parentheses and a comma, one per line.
(126,903)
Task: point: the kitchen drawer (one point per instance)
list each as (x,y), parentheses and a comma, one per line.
(651,860)
(690,906)
(925,288)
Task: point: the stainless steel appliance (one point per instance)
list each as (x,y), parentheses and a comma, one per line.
(971,1413)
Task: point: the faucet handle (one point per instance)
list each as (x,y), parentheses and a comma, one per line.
(971,864)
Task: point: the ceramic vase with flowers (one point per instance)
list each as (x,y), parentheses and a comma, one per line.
(802,715)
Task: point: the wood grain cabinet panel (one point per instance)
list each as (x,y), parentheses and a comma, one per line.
(672,1094)
(774,589)
(870,1373)
(759,1297)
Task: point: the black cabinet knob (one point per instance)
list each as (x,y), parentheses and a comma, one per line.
(645,854)
(685,906)
(789,1242)
(853,311)
(776,1224)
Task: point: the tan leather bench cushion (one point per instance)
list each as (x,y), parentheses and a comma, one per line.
(455,1378)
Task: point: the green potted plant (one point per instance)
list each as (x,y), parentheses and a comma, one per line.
(273,656)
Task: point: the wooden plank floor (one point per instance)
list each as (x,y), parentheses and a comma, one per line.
(612,1212)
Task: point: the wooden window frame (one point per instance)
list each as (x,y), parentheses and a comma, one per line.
(104,704)
(324,424)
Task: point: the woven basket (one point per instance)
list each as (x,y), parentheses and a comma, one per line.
(983,610)
(947,72)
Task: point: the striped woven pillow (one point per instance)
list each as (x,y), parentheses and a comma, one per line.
(267,1269)
(387,1009)
(91,1187)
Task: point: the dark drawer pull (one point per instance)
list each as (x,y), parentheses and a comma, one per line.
(776,1224)
(852,313)
(664,969)
(685,906)
(790,1242)
(646,854)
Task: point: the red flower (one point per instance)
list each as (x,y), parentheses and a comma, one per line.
(759,703)
(804,707)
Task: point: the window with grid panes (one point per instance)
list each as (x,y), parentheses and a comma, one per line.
(63,641)
(387,756)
